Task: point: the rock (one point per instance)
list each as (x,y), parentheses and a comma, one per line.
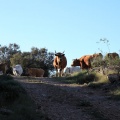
(113,77)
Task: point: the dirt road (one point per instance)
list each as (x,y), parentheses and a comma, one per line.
(70,102)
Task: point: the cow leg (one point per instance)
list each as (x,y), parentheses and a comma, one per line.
(56,72)
(82,65)
(61,73)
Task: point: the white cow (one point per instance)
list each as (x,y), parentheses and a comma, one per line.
(17,70)
(70,70)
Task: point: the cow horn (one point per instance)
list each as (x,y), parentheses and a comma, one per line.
(63,51)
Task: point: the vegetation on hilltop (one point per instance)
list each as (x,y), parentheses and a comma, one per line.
(37,57)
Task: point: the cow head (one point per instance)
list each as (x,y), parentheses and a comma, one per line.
(76,62)
(59,56)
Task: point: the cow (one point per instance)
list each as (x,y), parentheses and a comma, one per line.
(3,68)
(17,70)
(97,56)
(84,62)
(112,55)
(59,63)
(70,70)
(35,72)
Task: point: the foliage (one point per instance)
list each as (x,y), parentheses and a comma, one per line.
(7,51)
(92,79)
(112,62)
(86,78)
(16,59)
(81,77)
(107,62)
(99,81)
(97,62)
(37,58)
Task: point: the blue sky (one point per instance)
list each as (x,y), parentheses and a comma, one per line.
(73,26)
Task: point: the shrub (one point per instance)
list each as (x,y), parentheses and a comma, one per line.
(85,78)
(9,89)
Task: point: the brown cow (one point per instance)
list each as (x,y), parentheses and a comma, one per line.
(97,55)
(84,62)
(59,63)
(112,55)
(3,67)
(35,72)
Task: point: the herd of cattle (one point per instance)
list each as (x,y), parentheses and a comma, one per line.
(84,62)
(59,63)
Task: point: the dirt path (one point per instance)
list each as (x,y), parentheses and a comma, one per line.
(70,102)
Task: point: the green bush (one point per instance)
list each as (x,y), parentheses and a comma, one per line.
(85,78)
(81,77)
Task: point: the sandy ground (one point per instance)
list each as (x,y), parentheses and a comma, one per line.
(70,102)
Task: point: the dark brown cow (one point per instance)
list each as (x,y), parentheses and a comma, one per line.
(112,55)
(59,63)
(35,72)
(3,67)
(84,62)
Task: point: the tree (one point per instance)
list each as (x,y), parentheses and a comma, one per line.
(42,59)
(37,58)
(6,52)
(16,59)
